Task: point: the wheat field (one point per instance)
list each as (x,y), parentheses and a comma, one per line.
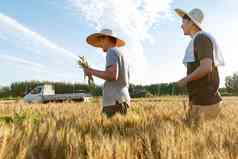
(154,128)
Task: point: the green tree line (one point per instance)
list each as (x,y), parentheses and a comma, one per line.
(19,89)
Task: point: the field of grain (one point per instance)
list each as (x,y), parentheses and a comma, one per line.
(153,129)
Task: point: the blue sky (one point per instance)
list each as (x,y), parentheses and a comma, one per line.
(39,40)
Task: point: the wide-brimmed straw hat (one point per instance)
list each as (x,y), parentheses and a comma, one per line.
(196,15)
(94,39)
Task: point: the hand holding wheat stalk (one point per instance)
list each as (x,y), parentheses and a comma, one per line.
(83,63)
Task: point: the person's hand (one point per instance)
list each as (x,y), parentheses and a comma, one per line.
(182,83)
(88,71)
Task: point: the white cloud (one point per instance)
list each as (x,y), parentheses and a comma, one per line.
(37,53)
(20,35)
(21,61)
(132,20)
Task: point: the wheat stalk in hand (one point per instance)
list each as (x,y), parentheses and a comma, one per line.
(84,64)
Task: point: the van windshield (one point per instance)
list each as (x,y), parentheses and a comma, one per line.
(36,91)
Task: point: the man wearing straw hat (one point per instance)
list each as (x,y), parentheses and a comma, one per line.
(202,59)
(116,96)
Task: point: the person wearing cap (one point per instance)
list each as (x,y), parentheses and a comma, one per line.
(202,59)
(116,98)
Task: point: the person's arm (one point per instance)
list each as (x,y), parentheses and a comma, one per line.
(110,74)
(205,56)
(204,68)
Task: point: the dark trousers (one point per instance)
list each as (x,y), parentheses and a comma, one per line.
(110,111)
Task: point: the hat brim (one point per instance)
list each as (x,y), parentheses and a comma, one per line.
(94,40)
(181,13)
